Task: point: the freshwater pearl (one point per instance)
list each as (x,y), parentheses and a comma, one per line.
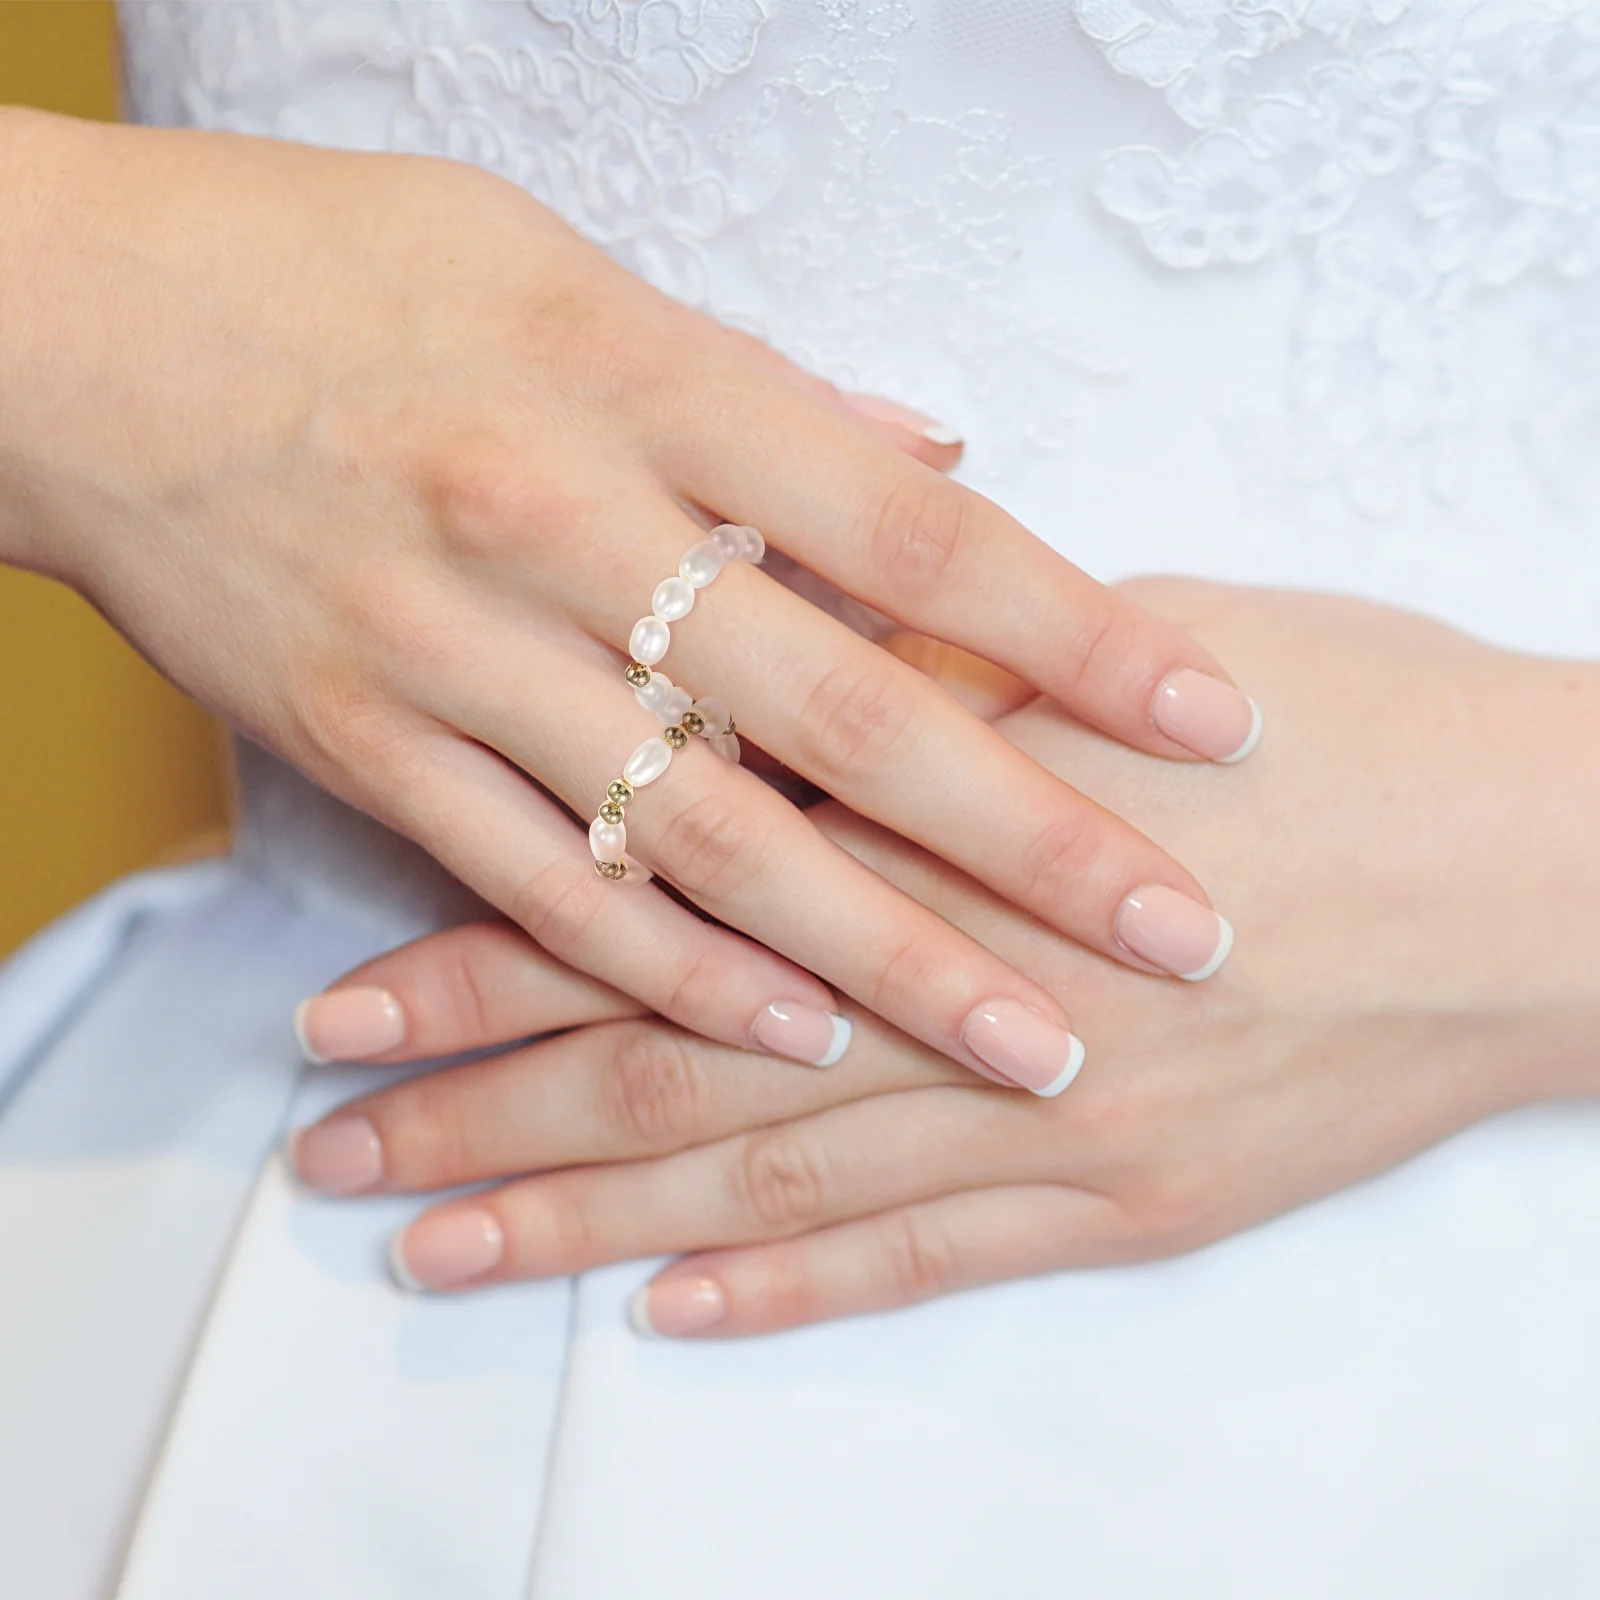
(729,539)
(701,564)
(674,598)
(608,840)
(726,745)
(718,718)
(755,547)
(678,702)
(648,762)
(649,640)
(656,693)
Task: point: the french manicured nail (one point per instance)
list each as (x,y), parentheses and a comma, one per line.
(673,1306)
(340,1156)
(1173,932)
(802,1033)
(349,1025)
(881,410)
(1024,1047)
(445,1248)
(1207,716)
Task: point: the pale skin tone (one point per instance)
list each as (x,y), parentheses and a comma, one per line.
(1417,892)
(382,462)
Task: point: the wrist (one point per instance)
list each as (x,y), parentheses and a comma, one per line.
(1550,878)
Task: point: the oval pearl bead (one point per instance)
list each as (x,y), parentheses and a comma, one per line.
(755,547)
(608,840)
(649,640)
(700,564)
(678,702)
(726,745)
(718,717)
(648,762)
(729,539)
(656,693)
(674,598)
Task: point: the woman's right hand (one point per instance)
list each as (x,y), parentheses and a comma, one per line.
(378,459)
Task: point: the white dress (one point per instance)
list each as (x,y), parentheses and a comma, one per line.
(1291,291)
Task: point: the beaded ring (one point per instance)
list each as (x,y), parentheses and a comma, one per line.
(656,692)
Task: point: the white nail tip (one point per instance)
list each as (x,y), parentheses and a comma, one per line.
(941,433)
(839,1043)
(300,1036)
(1073,1067)
(639,1313)
(1252,739)
(1223,950)
(400,1272)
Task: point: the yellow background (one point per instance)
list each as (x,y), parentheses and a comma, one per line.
(104,767)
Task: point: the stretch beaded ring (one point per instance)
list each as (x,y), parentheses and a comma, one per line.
(655,691)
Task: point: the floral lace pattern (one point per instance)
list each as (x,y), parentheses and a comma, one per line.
(1420,156)
(1412,158)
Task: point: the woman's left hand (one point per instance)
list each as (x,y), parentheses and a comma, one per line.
(1412,866)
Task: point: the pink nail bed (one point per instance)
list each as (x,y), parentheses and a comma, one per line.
(446,1248)
(674,1306)
(802,1033)
(1023,1046)
(891,411)
(1207,716)
(341,1156)
(1173,932)
(349,1025)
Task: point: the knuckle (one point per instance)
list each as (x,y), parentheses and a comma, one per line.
(920,1257)
(1170,1212)
(857,717)
(655,1089)
(913,969)
(914,534)
(714,845)
(558,906)
(492,503)
(1098,648)
(345,726)
(782,1181)
(1059,856)
(426,1142)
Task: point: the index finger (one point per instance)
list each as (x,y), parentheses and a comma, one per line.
(942,559)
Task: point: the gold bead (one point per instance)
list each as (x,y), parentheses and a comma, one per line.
(676,737)
(610,813)
(731,728)
(612,869)
(693,722)
(638,674)
(619,791)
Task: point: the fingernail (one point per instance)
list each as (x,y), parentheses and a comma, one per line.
(445,1248)
(881,410)
(1031,1051)
(1207,716)
(341,1156)
(349,1025)
(802,1033)
(674,1306)
(1173,932)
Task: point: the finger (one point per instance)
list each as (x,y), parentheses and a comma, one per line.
(513,846)
(879,736)
(750,858)
(616,1092)
(768,1184)
(912,432)
(947,562)
(482,984)
(881,1263)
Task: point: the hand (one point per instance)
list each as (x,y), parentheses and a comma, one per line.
(377,458)
(1413,868)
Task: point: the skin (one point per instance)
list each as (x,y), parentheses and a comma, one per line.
(379,460)
(1417,894)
